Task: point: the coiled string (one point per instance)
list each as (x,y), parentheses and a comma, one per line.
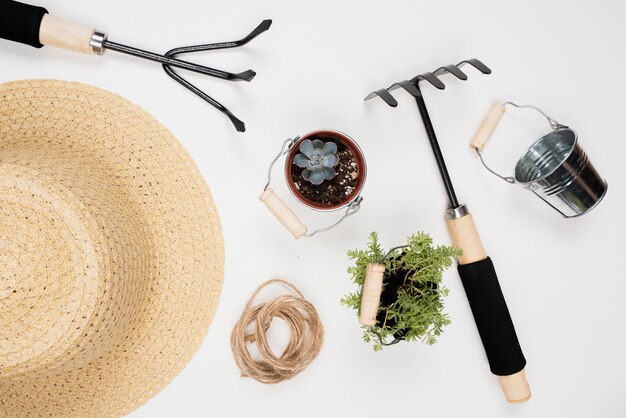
(305,342)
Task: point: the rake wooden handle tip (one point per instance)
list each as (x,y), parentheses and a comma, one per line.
(515,387)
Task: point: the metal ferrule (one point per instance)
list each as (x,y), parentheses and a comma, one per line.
(97,42)
(456,213)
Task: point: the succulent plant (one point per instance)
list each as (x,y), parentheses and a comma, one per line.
(318,160)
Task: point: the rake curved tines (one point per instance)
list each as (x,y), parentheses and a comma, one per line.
(243,76)
(385,95)
(455,70)
(388,98)
(432,77)
(412,87)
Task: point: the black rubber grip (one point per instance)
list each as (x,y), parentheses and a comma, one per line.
(20,22)
(492,317)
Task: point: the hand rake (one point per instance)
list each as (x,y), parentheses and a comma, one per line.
(476,269)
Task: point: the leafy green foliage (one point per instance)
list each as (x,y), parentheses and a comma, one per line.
(417,313)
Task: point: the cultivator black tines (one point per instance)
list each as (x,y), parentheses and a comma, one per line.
(412,87)
(246,75)
(169,60)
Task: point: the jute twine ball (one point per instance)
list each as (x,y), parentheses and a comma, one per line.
(305,342)
(111,253)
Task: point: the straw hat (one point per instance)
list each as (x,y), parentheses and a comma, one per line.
(111,253)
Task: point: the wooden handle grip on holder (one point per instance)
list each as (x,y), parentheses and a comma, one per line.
(465,236)
(487,126)
(370,297)
(65,34)
(282,212)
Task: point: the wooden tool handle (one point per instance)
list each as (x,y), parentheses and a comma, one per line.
(65,34)
(282,212)
(32,25)
(370,297)
(465,236)
(487,126)
(515,387)
(20,22)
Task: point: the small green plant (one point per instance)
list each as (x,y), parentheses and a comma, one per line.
(412,298)
(318,160)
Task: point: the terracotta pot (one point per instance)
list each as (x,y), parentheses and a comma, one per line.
(336,136)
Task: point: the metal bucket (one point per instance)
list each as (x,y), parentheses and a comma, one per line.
(558,170)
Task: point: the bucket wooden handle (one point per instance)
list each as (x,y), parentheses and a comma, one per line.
(283,213)
(465,236)
(487,126)
(370,297)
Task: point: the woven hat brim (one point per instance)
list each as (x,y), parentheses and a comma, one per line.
(156,236)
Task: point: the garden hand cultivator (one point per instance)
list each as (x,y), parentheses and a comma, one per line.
(32,25)
(475,268)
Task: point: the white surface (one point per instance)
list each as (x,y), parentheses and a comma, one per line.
(563,279)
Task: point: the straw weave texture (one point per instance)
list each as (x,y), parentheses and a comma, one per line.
(111,253)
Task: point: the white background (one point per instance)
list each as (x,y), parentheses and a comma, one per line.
(563,278)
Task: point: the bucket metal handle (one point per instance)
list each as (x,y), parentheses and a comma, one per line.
(489,124)
(282,211)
